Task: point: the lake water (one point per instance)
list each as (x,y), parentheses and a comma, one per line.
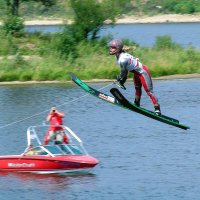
(185,34)
(140,158)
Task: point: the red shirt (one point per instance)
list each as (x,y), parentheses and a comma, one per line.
(55,119)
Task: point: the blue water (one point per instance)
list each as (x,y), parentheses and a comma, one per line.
(140,158)
(185,34)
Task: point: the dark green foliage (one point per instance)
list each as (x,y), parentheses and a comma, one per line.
(65,44)
(164,42)
(152,7)
(183,6)
(89,16)
(2,8)
(13,6)
(7,44)
(48,3)
(13,25)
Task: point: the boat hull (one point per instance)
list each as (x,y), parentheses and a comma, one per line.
(46,164)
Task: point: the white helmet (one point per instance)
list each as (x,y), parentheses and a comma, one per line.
(116,43)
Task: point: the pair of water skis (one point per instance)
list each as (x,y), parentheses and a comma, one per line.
(121,101)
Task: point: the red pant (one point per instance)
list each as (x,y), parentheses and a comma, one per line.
(144,79)
(46,139)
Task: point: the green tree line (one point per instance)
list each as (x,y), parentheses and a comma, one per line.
(153,7)
(62,8)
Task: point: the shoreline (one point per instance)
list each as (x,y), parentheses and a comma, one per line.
(169,77)
(166,18)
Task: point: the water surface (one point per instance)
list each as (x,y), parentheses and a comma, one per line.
(185,34)
(140,158)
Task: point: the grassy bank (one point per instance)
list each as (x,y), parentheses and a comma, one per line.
(36,57)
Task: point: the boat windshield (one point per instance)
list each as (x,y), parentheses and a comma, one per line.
(54,149)
(72,149)
(36,151)
(65,149)
(62,149)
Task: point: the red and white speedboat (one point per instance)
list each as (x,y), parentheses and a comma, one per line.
(45,159)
